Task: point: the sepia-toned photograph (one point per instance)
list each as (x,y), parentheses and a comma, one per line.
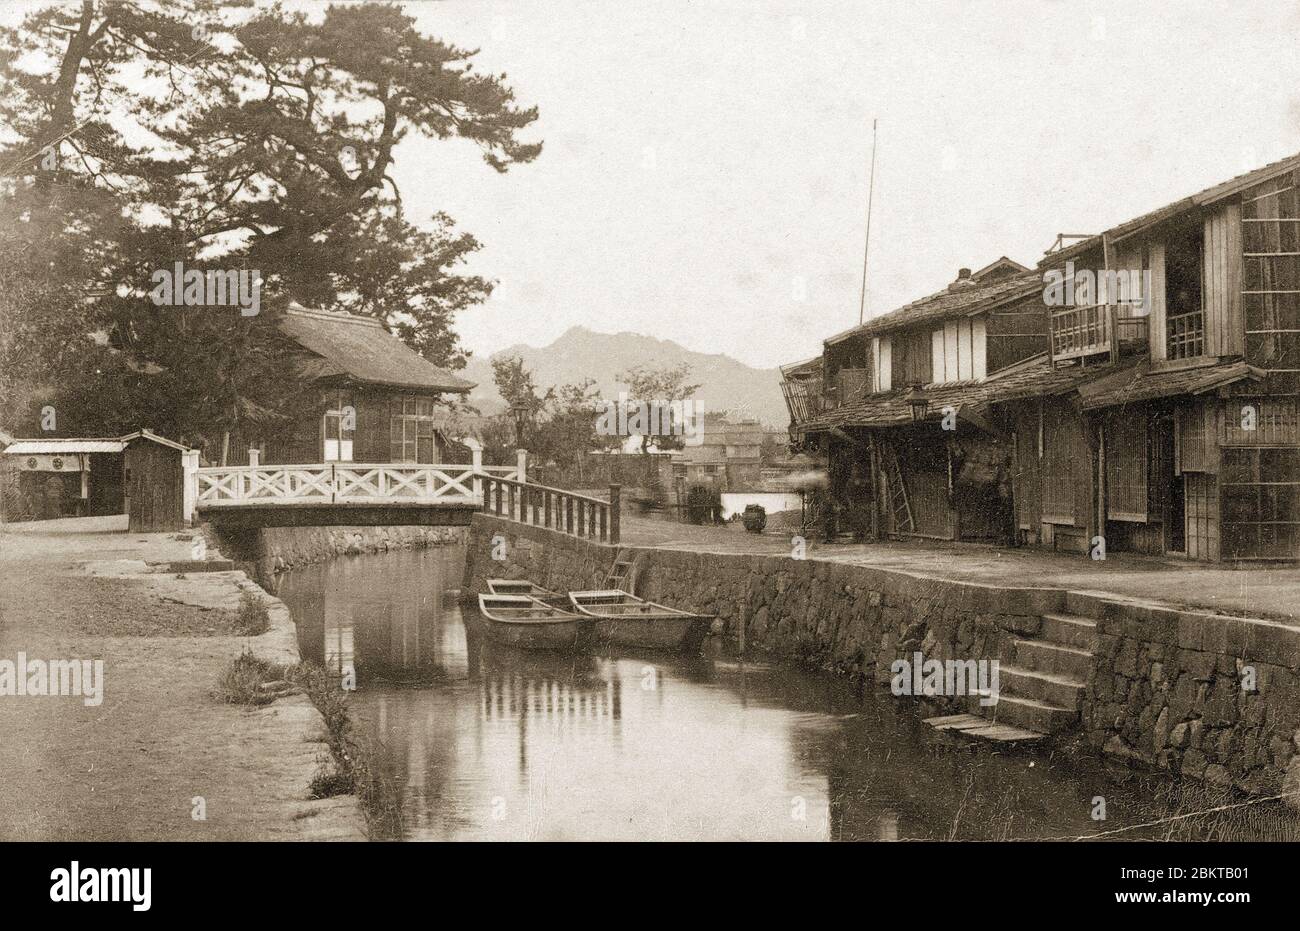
(683,422)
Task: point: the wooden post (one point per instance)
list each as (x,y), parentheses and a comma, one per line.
(1112,326)
(954,500)
(254,457)
(614,493)
(568,514)
(477,464)
(1102,490)
(521,463)
(546,508)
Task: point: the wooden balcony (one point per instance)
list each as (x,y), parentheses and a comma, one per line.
(1096,329)
(804,399)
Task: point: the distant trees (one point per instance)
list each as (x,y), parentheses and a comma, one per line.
(559,423)
(665,385)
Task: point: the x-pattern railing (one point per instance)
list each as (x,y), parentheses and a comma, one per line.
(345,482)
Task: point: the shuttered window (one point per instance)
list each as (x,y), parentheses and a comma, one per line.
(1058,466)
(1126,468)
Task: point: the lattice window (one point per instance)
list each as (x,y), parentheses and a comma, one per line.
(1261,503)
(413,429)
(1261,422)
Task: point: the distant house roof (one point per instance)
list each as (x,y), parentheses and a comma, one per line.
(150,435)
(361,348)
(70,445)
(998,268)
(63,446)
(963,297)
(1202,198)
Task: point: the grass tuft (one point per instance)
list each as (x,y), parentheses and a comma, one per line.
(253,618)
(241,683)
(353,765)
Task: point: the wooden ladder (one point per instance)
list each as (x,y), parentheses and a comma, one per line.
(899,508)
(620,574)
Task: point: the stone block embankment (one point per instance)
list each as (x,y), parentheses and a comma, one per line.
(266,551)
(1207,696)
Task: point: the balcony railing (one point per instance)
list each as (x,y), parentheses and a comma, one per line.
(1095,329)
(1185,336)
(804,399)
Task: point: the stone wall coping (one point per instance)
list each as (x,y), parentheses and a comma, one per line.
(1187,628)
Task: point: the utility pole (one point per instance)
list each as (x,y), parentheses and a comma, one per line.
(866,248)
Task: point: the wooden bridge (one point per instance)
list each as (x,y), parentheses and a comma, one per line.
(371,494)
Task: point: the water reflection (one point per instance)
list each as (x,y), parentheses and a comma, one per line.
(492,743)
(364,616)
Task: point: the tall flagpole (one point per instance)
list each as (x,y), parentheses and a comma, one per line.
(866,248)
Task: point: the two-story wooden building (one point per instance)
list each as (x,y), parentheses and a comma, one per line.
(372,398)
(1155,411)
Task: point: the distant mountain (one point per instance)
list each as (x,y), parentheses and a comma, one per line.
(581,353)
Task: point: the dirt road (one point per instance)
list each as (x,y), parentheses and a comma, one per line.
(160,748)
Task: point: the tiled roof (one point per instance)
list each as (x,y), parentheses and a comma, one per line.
(362,349)
(1207,196)
(1030,379)
(1140,383)
(1126,382)
(947,304)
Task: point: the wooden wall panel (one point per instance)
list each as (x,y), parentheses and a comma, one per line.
(1156,326)
(1221,262)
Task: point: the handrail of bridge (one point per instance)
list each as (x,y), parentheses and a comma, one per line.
(554,508)
(344,482)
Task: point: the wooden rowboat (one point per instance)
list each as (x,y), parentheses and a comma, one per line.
(525,587)
(626,620)
(530,624)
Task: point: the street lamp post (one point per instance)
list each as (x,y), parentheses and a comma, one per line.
(520,410)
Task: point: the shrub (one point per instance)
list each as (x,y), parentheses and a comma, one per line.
(703,504)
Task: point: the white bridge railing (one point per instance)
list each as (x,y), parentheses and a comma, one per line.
(345,482)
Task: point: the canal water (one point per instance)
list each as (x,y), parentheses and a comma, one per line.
(487,743)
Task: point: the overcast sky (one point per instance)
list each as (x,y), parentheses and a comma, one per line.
(705,171)
(704,177)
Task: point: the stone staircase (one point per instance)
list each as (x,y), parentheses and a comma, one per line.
(1041,687)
